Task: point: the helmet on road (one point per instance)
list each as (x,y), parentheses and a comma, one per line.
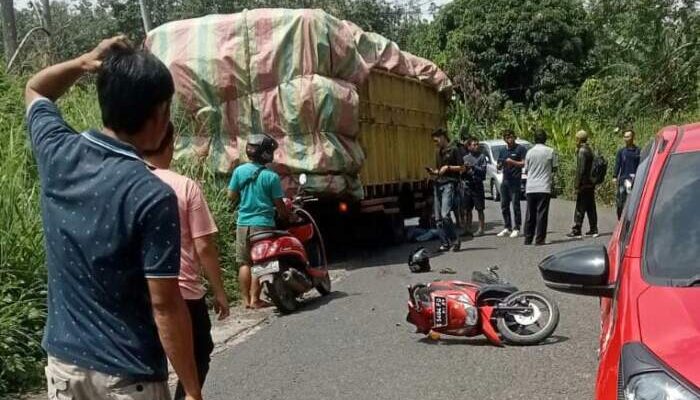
(261,148)
(419,260)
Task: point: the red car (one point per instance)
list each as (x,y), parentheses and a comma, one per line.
(648,278)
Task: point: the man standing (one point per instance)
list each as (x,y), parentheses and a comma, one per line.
(449,167)
(585,188)
(540,165)
(112,233)
(475,174)
(511,161)
(260,192)
(626,163)
(198,253)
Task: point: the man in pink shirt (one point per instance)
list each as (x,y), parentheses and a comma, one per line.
(198,254)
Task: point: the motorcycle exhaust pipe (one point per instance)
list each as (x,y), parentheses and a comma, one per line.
(296,281)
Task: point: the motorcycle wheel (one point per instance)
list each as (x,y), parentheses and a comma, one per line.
(533,328)
(285,301)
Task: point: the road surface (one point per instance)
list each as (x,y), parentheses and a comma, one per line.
(355,344)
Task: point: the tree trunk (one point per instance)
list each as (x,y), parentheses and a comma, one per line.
(46,14)
(9,27)
(146,16)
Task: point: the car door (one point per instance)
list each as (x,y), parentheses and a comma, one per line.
(486,151)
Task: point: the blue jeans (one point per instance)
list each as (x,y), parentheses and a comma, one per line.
(510,193)
(444,204)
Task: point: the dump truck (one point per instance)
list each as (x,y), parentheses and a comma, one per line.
(349,109)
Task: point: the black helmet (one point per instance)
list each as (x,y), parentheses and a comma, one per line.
(419,260)
(261,148)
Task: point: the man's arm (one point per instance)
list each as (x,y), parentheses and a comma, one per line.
(175,331)
(282,211)
(233,196)
(54,81)
(208,254)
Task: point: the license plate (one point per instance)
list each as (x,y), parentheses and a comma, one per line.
(440,312)
(269,267)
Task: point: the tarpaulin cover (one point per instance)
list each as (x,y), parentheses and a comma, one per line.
(291,73)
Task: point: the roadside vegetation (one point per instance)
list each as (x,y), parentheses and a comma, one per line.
(564,65)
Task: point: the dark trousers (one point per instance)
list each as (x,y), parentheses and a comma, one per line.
(202,341)
(621,198)
(536,217)
(510,193)
(585,204)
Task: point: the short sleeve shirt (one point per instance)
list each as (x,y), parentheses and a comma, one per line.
(257,207)
(109,224)
(196,221)
(512,174)
(540,163)
(451,155)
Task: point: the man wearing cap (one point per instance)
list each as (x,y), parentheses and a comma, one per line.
(585,189)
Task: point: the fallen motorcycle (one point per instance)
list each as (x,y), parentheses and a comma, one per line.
(488,305)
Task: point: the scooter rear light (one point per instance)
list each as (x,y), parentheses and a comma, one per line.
(259,250)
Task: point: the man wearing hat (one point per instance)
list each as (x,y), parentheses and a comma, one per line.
(585,188)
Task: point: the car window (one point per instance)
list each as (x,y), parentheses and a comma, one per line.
(634,198)
(483,149)
(497,150)
(672,246)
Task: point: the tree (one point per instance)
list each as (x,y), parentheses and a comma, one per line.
(9,28)
(533,51)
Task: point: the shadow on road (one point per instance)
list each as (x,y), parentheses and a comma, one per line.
(482,342)
(316,302)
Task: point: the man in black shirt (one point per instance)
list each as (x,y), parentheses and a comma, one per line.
(585,188)
(511,161)
(474,176)
(626,164)
(449,167)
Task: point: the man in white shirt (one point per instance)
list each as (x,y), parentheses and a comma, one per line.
(540,165)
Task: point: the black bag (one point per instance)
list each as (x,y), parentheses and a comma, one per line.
(599,168)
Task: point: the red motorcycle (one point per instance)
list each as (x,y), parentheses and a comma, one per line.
(291,262)
(488,305)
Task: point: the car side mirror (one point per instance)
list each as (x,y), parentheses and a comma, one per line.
(582,270)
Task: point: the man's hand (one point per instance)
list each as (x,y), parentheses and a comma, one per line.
(614,180)
(92,61)
(221,306)
(444,169)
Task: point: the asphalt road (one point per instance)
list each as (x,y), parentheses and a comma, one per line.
(355,344)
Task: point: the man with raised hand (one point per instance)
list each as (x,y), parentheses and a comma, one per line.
(112,233)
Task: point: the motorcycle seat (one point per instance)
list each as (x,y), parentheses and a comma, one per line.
(496,290)
(256,237)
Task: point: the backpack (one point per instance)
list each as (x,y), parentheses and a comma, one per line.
(599,168)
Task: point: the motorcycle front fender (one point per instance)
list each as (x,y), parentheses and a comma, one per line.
(485,314)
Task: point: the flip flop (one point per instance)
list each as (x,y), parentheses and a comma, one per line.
(448,271)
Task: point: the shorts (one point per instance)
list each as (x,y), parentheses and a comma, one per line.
(67,381)
(243,243)
(474,199)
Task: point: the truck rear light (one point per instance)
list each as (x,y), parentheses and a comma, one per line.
(343,207)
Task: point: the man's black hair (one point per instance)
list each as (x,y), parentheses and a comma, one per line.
(439,132)
(540,136)
(471,140)
(168,140)
(130,86)
(508,132)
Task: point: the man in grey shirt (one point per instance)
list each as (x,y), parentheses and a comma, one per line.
(540,164)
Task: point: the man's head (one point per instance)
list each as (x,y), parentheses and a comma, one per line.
(162,156)
(135,89)
(509,137)
(628,136)
(261,148)
(473,145)
(440,138)
(540,136)
(581,137)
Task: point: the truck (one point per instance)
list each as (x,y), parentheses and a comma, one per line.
(350,110)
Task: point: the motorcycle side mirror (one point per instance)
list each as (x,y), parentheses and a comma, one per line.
(582,270)
(302,179)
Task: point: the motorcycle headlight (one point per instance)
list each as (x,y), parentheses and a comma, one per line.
(656,386)
(644,377)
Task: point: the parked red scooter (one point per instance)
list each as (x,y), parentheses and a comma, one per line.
(488,305)
(291,262)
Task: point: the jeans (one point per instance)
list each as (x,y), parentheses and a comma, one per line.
(510,193)
(202,341)
(585,204)
(536,216)
(444,202)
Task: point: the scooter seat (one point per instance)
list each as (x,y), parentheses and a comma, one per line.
(258,236)
(497,291)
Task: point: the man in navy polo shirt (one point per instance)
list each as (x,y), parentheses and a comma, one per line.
(112,233)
